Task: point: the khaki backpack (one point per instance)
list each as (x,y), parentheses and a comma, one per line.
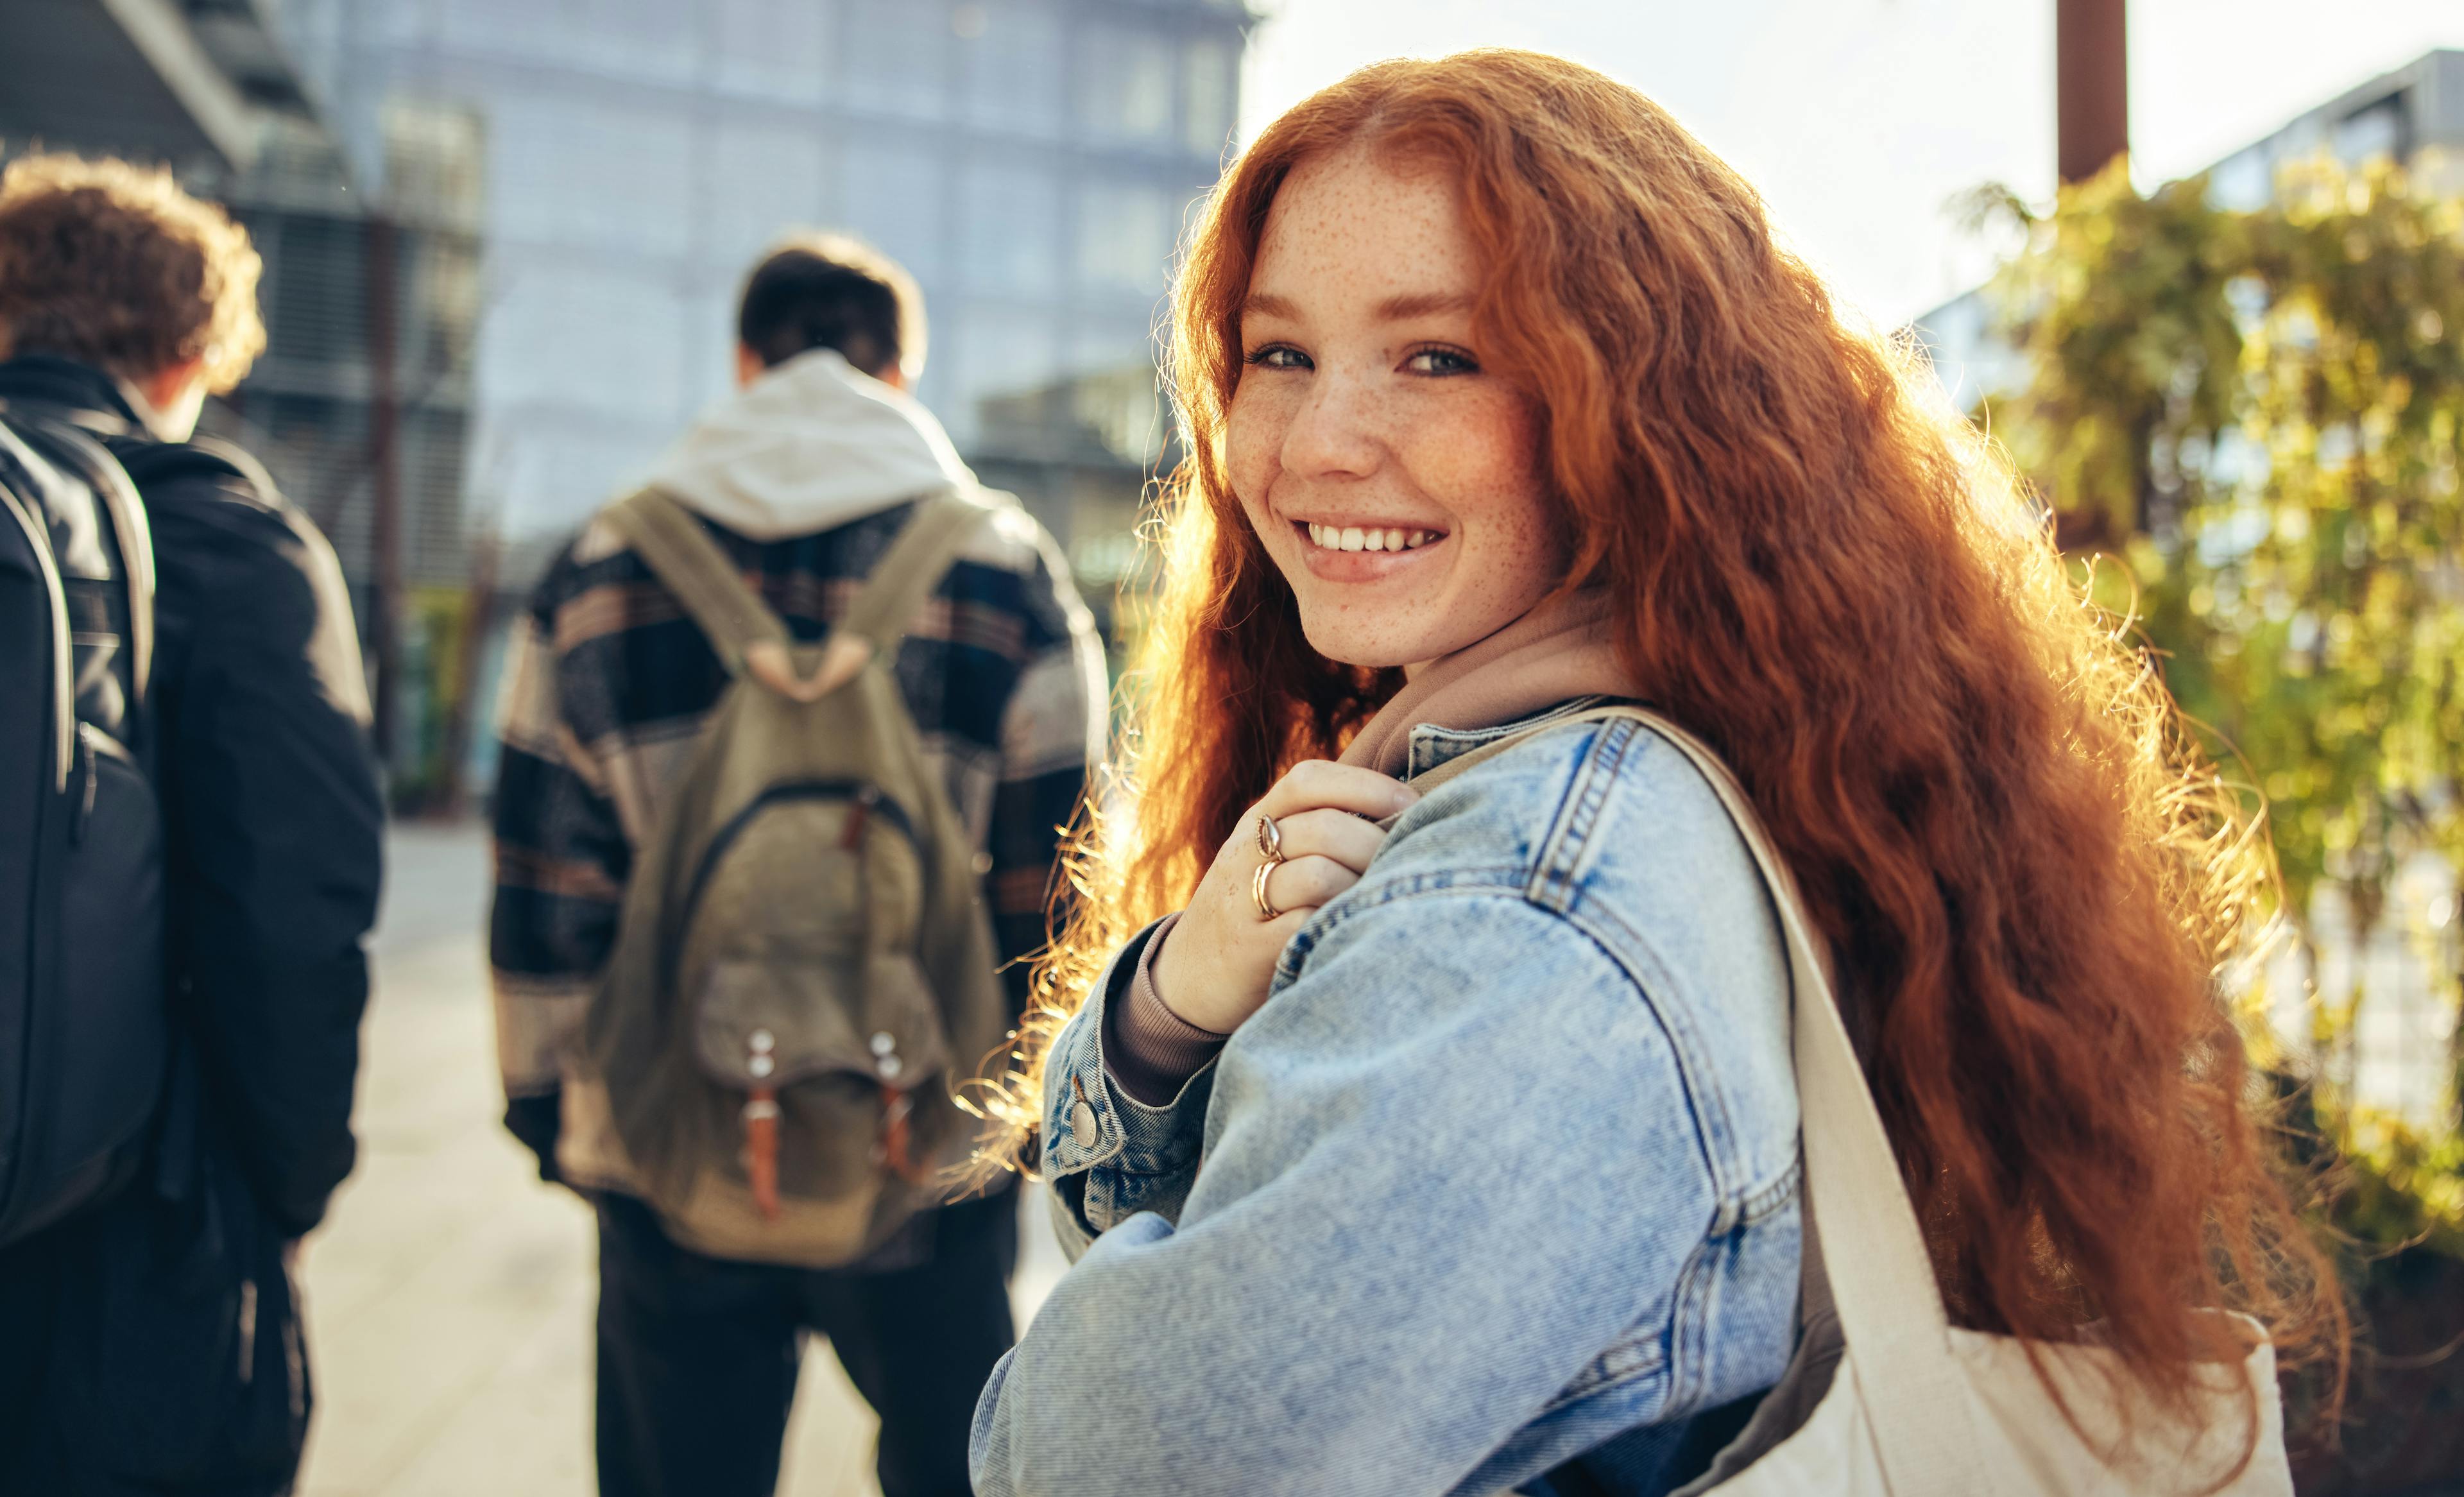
(804,970)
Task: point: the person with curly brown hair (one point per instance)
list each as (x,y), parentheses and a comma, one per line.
(150,1341)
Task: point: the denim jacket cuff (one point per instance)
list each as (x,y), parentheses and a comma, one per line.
(1116,1130)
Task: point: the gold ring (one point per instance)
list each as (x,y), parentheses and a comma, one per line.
(1258,889)
(1270,838)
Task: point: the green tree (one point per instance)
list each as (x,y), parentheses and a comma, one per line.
(2247,426)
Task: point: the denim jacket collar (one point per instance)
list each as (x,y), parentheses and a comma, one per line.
(1433,745)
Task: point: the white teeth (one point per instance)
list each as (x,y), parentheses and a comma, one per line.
(1353,538)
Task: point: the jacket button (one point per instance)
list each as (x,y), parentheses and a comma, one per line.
(1082,1124)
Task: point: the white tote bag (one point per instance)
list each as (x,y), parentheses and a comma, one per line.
(1903,1404)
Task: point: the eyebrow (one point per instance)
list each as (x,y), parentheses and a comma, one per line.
(1394,309)
(1397,309)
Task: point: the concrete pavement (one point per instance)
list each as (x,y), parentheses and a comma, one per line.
(450,1293)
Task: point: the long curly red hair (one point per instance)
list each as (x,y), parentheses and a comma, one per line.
(2027,876)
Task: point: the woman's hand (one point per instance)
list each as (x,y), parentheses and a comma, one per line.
(1220,953)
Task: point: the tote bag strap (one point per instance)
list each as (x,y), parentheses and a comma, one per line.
(1871,1249)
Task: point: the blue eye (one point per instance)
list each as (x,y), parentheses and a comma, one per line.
(1441,362)
(1278,355)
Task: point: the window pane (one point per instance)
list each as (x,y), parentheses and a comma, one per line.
(631,39)
(1125,85)
(587,174)
(761,180)
(893,199)
(1125,237)
(573,334)
(1207,89)
(1012,56)
(2375,133)
(778,49)
(1013,228)
(494,26)
(897,57)
(435,155)
(1001,353)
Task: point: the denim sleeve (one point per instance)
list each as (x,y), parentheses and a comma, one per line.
(1451,1160)
(1134,1157)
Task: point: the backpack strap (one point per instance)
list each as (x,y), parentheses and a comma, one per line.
(915,564)
(108,475)
(749,636)
(150,463)
(704,578)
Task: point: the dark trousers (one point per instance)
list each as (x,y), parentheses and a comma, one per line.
(29,1285)
(698,1356)
(118,1376)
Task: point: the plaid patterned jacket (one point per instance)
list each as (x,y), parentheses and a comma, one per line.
(604,694)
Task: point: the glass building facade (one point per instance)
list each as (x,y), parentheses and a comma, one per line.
(1031,162)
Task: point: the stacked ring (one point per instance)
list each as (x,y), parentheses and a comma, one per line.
(1266,909)
(1270,847)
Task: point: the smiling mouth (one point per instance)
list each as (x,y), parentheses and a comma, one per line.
(1357,538)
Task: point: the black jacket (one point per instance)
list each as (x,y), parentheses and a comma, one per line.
(272,818)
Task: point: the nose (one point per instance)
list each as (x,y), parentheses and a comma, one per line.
(1333,435)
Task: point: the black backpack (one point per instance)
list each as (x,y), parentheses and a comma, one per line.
(85,1019)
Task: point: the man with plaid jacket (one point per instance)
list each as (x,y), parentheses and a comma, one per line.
(803,475)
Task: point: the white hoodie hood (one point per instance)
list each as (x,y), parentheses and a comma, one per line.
(810,445)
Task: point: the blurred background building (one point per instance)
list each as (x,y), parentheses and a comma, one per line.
(2413,115)
(1030,161)
(361,404)
(504,238)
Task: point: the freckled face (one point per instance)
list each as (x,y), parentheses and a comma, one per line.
(1394,480)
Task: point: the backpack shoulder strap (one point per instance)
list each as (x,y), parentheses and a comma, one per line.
(150,462)
(667,535)
(104,471)
(912,568)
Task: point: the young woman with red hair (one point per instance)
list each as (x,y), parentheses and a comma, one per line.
(1448,1142)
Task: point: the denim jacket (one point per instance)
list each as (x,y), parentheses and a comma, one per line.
(1499,1191)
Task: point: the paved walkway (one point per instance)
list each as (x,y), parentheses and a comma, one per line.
(450,1293)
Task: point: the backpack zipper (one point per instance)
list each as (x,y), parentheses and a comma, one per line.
(869,801)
